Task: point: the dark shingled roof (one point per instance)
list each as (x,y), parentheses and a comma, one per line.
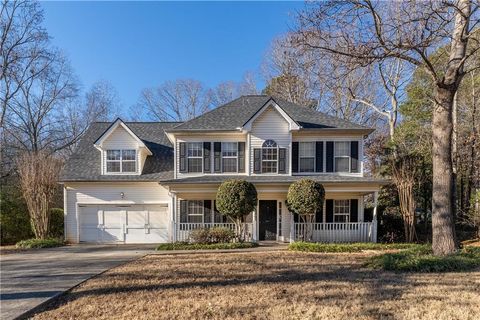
(236,113)
(322,178)
(84,164)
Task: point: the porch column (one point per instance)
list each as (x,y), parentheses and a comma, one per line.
(292,228)
(254,225)
(374,218)
(174,217)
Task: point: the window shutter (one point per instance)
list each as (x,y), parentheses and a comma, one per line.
(294,156)
(329,210)
(183,156)
(319,215)
(354,156)
(241,157)
(207,211)
(183,211)
(354,210)
(282,160)
(330,156)
(206,157)
(257,160)
(217,156)
(319,156)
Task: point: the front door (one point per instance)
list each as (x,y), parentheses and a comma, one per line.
(268,220)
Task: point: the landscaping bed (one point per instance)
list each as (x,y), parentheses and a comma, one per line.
(348,247)
(206,246)
(39,243)
(267,285)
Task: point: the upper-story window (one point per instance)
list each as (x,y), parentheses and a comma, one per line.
(229,156)
(121,161)
(306,152)
(269,156)
(195,156)
(342,156)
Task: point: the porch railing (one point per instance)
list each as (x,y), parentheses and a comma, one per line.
(184,229)
(335,232)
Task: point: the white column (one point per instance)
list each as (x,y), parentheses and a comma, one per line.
(292,228)
(174,217)
(374,218)
(254,226)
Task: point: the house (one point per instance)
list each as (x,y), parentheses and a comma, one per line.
(152,182)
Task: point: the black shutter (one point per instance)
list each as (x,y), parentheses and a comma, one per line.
(294,156)
(319,216)
(217,156)
(354,156)
(183,211)
(241,157)
(282,160)
(183,156)
(354,210)
(207,211)
(206,157)
(329,210)
(257,160)
(319,156)
(330,151)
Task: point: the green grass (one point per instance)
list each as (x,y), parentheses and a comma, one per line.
(203,246)
(422,260)
(39,243)
(348,247)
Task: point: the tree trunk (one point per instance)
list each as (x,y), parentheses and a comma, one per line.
(443,234)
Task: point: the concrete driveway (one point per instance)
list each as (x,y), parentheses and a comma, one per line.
(33,277)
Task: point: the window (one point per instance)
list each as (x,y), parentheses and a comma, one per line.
(306,151)
(341,211)
(269,156)
(195,211)
(195,156)
(342,156)
(121,161)
(229,156)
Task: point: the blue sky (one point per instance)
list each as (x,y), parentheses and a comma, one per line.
(139,45)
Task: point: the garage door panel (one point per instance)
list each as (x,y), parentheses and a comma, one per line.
(158,218)
(114,217)
(136,218)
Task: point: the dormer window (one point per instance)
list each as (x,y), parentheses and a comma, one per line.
(269,156)
(121,161)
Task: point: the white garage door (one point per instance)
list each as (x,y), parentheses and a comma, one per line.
(124,224)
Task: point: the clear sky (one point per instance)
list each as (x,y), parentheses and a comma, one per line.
(139,45)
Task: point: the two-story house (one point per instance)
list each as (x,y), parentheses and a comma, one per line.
(151,182)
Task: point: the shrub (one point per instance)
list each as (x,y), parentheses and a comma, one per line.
(236,199)
(423,260)
(348,247)
(39,243)
(221,235)
(14,218)
(206,246)
(305,197)
(201,235)
(56,223)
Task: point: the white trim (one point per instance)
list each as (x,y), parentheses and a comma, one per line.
(292,125)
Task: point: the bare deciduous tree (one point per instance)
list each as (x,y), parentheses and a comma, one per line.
(38,176)
(230,90)
(366,32)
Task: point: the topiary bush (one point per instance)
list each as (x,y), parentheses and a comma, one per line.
(236,199)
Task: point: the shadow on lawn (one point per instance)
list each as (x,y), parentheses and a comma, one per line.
(380,286)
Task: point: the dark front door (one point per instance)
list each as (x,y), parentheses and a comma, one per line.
(268,220)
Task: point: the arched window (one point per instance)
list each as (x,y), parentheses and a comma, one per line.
(269,156)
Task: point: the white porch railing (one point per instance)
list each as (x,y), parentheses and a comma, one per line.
(184,229)
(336,232)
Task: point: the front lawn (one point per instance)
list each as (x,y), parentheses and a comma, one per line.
(267,285)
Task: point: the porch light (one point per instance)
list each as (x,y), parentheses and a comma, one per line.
(122,195)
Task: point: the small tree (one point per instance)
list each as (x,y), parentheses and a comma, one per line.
(236,199)
(305,197)
(38,175)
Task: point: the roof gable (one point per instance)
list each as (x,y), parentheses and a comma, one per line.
(292,124)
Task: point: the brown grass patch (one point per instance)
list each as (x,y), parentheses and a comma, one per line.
(267,285)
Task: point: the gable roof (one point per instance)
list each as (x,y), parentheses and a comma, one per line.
(237,113)
(85,165)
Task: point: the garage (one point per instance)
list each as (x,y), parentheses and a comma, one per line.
(123,223)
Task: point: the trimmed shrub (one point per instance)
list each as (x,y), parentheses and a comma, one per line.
(305,197)
(201,235)
(39,243)
(206,246)
(56,223)
(221,235)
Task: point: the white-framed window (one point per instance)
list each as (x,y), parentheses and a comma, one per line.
(195,211)
(229,156)
(195,156)
(269,157)
(341,210)
(121,161)
(342,156)
(306,153)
